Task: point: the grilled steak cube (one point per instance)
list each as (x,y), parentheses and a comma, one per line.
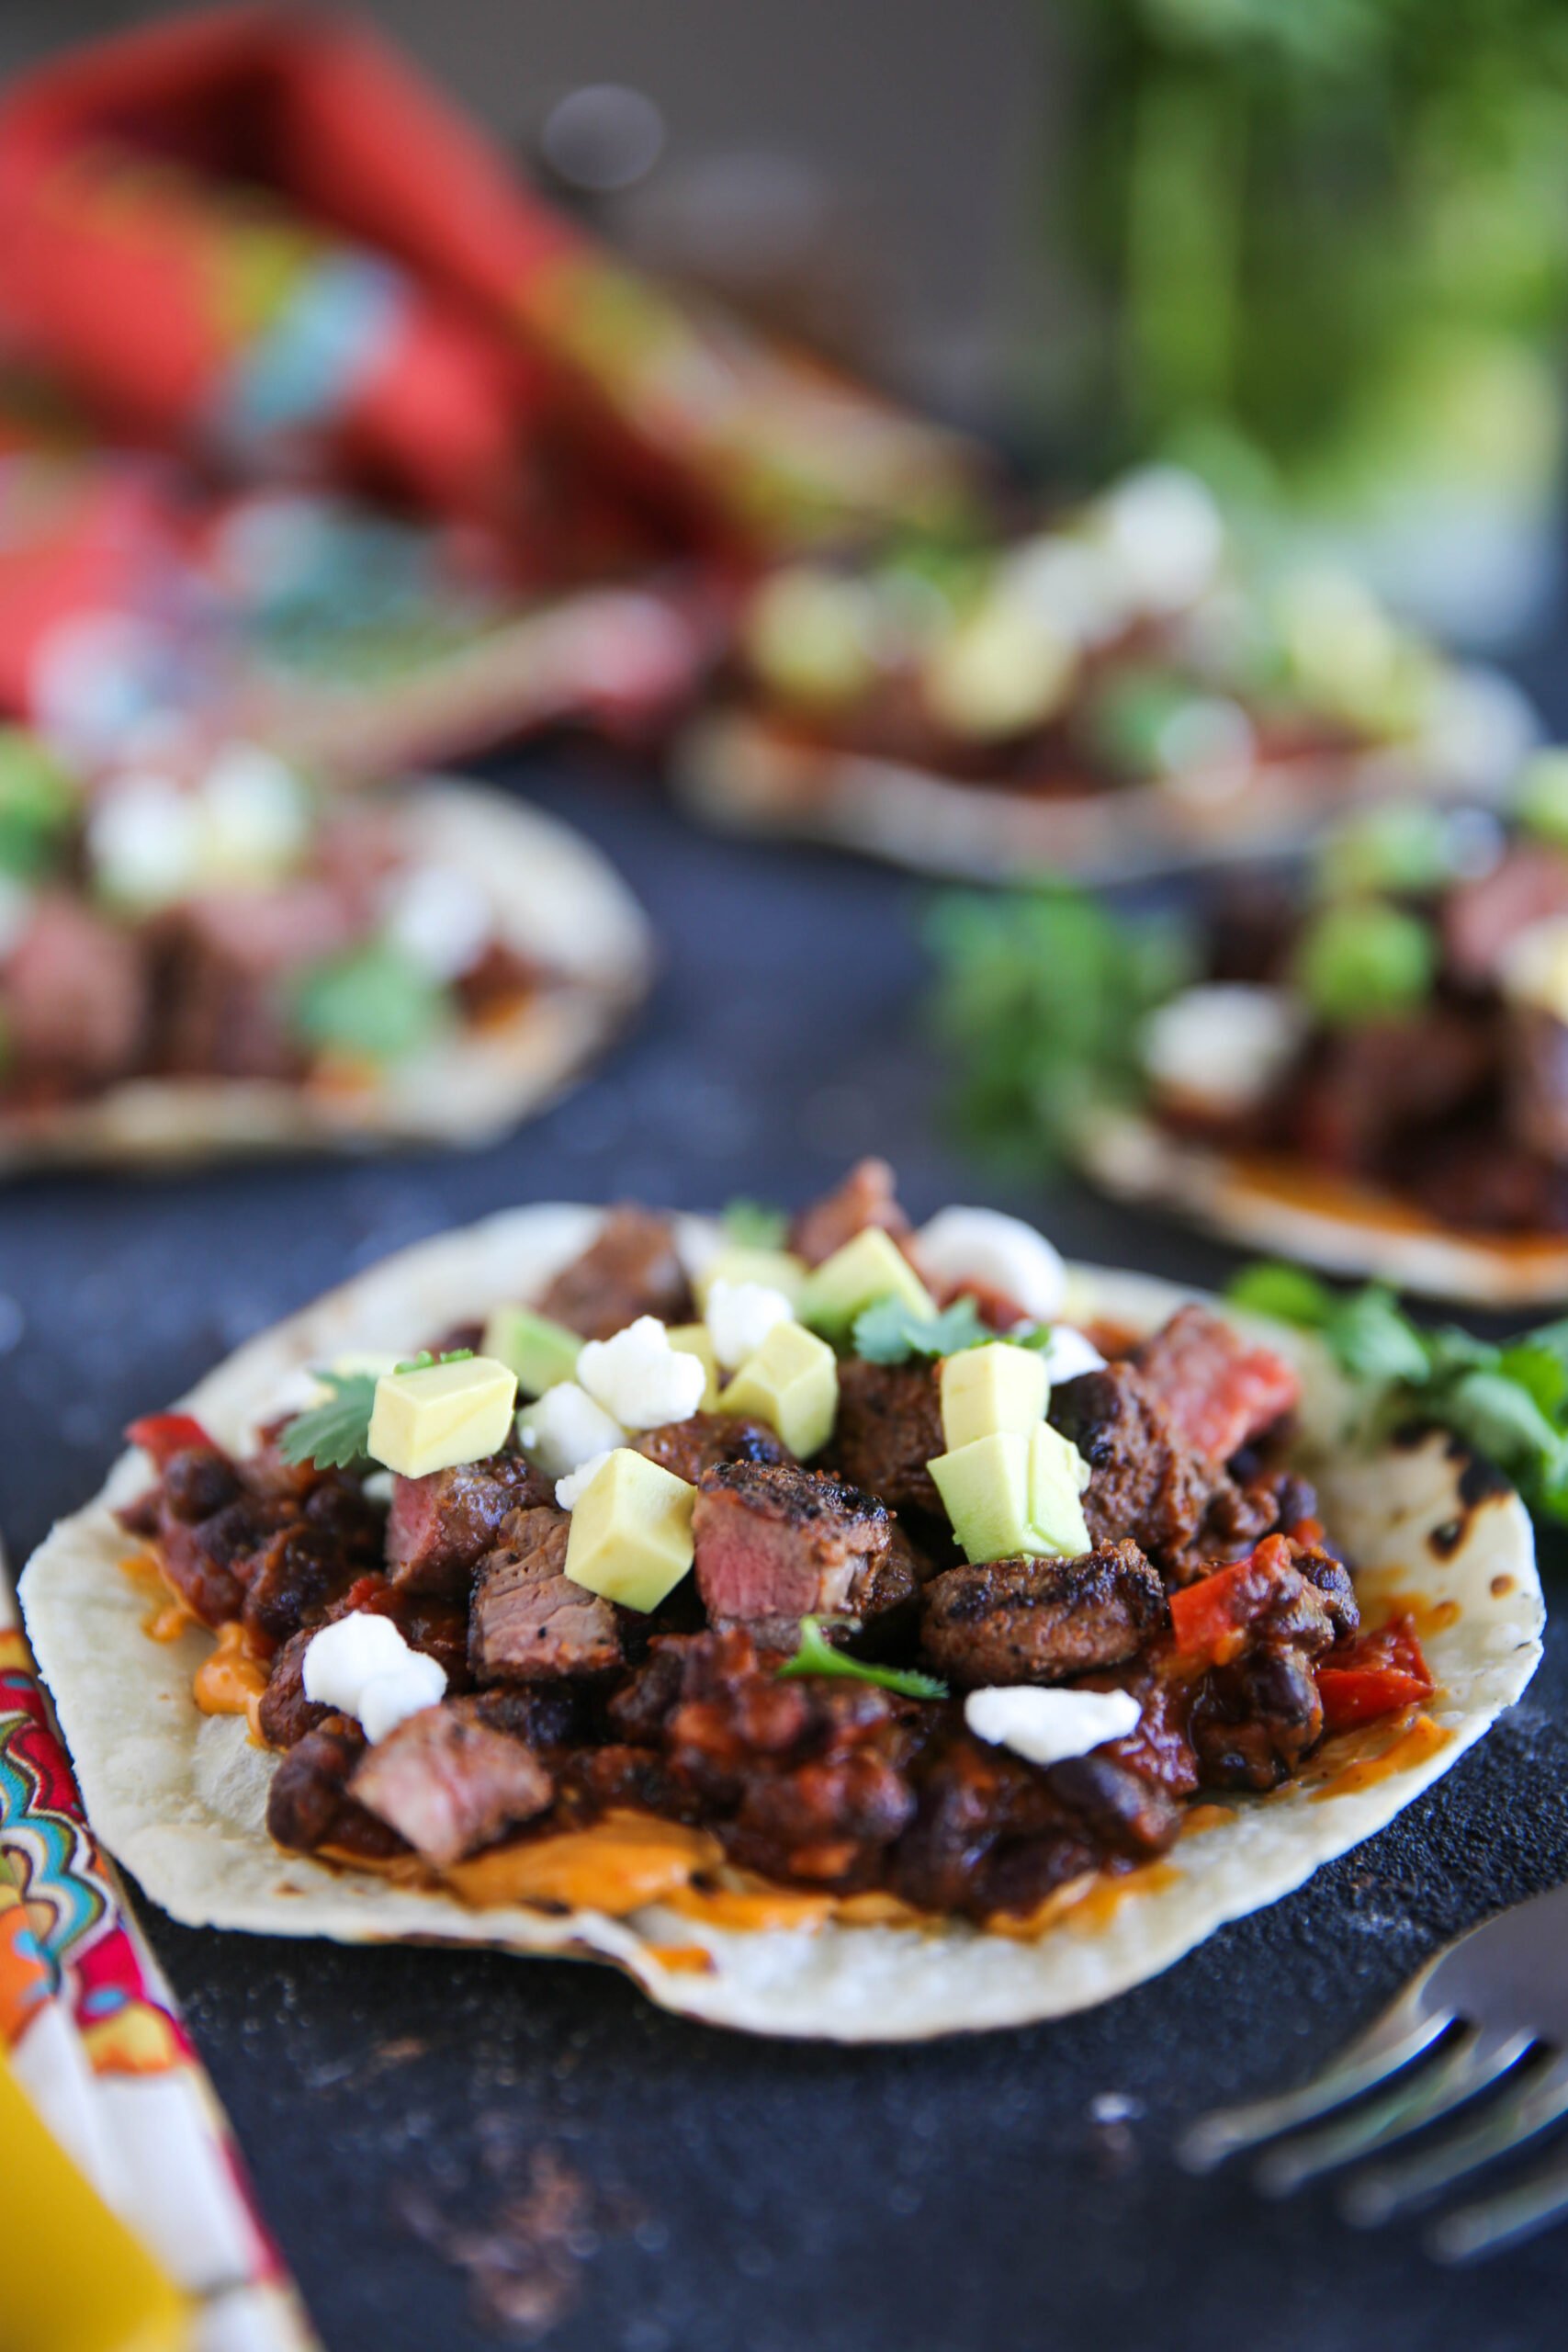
(1040,1621)
(775,1543)
(308,1807)
(1145,1484)
(1217,1391)
(889,1426)
(688,1448)
(441,1526)
(447,1783)
(632,1269)
(865,1197)
(527,1621)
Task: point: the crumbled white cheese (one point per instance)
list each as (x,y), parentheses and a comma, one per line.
(1047,1726)
(1001,1252)
(1071,584)
(440,918)
(388,1700)
(256,815)
(1223,1043)
(640,1378)
(563,1428)
(362,1666)
(1163,529)
(144,841)
(1069,1354)
(740,1316)
(571,1489)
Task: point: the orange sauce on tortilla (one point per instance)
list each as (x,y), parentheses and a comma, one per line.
(231,1678)
(614,1866)
(751,1907)
(1413,1744)
(1200,1818)
(1086,1905)
(170,1614)
(683,1960)
(1384,1604)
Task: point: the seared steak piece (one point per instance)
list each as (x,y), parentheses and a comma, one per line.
(441,1526)
(527,1621)
(865,1197)
(1366,1095)
(285,1715)
(1536,1050)
(308,1807)
(208,1564)
(889,1426)
(774,1542)
(73,995)
(447,1783)
(1217,1390)
(688,1448)
(1145,1484)
(630,1269)
(1040,1621)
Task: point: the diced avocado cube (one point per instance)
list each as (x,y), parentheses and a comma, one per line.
(695,1339)
(539,1352)
(988,1391)
(630,1537)
(984,1487)
(792,1382)
(869,1266)
(445,1414)
(737,1262)
(1058,1476)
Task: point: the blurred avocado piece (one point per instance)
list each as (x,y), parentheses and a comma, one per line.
(38,802)
(1363,960)
(1540,796)
(1401,848)
(373,1003)
(1348,660)
(541,1353)
(811,637)
(1001,673)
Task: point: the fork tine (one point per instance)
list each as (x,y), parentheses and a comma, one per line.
(1387,2189)
(1468,2065)
(1493,2222)
(1401,2033)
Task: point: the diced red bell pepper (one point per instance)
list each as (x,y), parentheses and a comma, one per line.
(1374,1675)
(1212,1618)
(163,1435)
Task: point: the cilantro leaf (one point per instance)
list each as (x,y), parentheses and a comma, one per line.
(335,1434)
(753,1224)
(891,1331)
(818,1655)
(1509,1403)
(1042,996)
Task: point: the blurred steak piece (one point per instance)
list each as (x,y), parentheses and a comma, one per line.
(1217,1390)
(632,1269)
(865,1197)
(688,1448)
(74,995)
(889,1426)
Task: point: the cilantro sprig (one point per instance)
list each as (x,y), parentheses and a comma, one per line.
(1040,1002)
(335,1434)
(1506,1399)
(818,1655)
(753,1225)
(891,1331)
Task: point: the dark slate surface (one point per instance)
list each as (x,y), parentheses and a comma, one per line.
(1018,2188)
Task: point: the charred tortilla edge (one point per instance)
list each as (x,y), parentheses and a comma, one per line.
(179,1798)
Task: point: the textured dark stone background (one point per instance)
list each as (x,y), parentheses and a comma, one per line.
(770,2196)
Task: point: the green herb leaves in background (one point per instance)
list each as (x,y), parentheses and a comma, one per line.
(38,807)
(373,1003)
(1507,1400)
(1040,1000)
(335,1434)
(817,1656)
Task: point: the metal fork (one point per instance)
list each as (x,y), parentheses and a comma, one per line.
(1479,2038)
